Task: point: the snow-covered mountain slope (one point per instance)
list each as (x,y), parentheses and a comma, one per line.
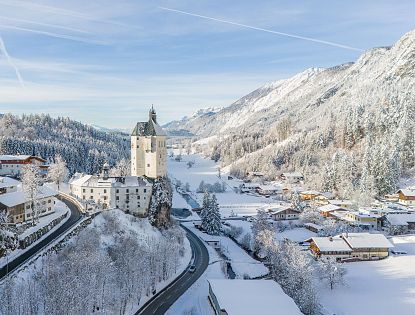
(184,126)
(312,95)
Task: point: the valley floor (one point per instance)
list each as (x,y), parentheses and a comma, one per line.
(376,287)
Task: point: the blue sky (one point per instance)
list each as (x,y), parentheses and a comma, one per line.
(105,62)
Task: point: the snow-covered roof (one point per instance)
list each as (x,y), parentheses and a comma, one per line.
(400,218)
(251,185)
(19,158)
(339,202)
(270,187)
(8,182)
(19,197)
(329,207)
(96,181)
(407,192)
(247,297)
(366,240)
(148,128)
(14,157)
(327,244)
(311,192)
(81,180)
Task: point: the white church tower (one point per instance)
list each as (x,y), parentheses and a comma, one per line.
(148,148)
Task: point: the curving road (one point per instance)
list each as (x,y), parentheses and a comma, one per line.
(160,303)
(16,262)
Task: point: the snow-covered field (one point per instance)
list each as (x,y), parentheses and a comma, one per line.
(377,287)
(297,234)
(207,170)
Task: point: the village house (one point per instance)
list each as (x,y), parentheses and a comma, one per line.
(399,223)
(345,204)
(130,193)
(269,190)
(323,198)
(406,197)
(309,195)
(361,219)
(8,185)
(281,212)
(293,177)
(249,187)
(327,210)
(19,207)
(356,246)
(12,165)
(235,297)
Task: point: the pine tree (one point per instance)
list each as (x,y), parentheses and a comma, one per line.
(210,215)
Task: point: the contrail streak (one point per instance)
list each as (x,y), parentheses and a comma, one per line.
(3,50)
(56,35)
(45,24)
(310,39)
(56,10)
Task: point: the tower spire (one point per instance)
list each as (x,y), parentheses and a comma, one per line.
(152,114)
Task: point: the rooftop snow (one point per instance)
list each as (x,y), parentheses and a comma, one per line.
(17,198)
(240,297)
(407,192)
(400,218)
(326,244)
(8,182)
(329,207)
(366,240)
(14,157)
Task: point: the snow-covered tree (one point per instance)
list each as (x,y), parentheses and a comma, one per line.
(58,172)
(311,215)
(260,224)
(332,272)
(160,204)
(121,169)
(211,220)
(296,202)
(31,181)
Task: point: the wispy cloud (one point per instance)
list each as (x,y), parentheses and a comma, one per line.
(56,35)
(66,28)
(4,51)
(310,39)
(32,6)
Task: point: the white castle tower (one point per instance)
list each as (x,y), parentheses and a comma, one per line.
(148,148)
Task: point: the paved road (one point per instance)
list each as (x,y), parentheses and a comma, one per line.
(162,302)
(74,218)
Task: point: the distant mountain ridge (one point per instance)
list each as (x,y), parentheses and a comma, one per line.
(312,91)
(320,120)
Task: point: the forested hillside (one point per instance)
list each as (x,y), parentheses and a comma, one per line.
(350,129)
(84,148)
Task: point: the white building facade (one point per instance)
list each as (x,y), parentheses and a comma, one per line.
(131,194)
(13,164)
(148,149)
